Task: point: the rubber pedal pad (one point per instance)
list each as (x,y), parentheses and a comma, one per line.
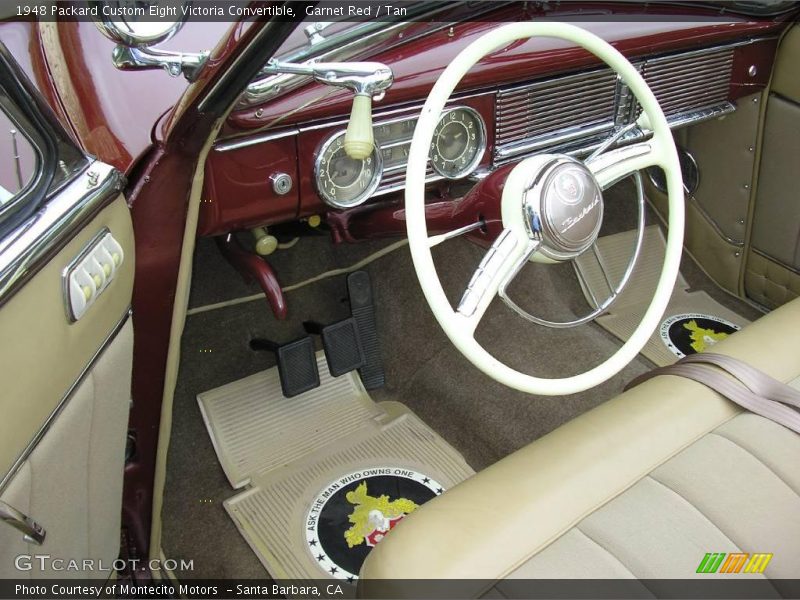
(362,308)
(297,366)
(342,345)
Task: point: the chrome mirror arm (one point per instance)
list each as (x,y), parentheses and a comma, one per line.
(174,63)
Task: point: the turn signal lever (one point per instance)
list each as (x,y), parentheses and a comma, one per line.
(368,80)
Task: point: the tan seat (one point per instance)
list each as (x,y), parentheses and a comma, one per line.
(642,486)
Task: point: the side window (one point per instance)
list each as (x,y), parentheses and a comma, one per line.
(17,162)
(37,155)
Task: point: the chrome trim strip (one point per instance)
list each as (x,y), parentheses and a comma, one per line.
(555,139)
(23,254)
(396,144)
(711,49)
(403,113)
(504,155)
(401,186)
(700,115)
(63,402)
(235,144)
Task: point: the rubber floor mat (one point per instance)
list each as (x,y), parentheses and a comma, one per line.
(254,428)
(330,472)
(692,322)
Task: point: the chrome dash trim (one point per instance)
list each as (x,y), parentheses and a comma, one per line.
(24,253)
(591,140)
(20,460)
(683,104)
(236,143)
(558,138)
(701,114)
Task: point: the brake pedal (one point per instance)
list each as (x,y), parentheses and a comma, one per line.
(297,364)
(363,311)
(342,345)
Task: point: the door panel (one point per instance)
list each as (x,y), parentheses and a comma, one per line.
(772,274)
(64,383)
(42,353)
(71,482)
(69,385)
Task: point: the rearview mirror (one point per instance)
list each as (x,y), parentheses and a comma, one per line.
(139,26)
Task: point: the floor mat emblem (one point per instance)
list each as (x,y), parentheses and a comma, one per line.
(352,514)
(689,333)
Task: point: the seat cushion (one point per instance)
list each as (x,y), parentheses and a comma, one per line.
(642,486)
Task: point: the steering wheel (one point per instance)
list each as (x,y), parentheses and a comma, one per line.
(552,209)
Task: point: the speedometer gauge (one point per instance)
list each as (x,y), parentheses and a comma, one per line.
(459,142)
(343,181)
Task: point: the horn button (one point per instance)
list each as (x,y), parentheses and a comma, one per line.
(563,208)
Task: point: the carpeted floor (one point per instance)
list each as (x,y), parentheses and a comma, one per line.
(482,419)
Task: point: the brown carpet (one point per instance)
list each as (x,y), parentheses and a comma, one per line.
(482,419)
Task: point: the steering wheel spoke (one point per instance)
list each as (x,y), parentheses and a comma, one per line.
(499,263)
(435,240)
(613,166)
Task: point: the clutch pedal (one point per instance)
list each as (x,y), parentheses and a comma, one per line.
(297,364)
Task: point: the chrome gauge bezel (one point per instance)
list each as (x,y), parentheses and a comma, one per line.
(482,144)
(377,174)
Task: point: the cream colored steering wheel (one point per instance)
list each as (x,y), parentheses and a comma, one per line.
(552,210)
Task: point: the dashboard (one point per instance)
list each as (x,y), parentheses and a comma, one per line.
(260,175)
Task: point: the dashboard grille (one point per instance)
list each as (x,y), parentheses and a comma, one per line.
(556,107)
(691,80)
(397,180)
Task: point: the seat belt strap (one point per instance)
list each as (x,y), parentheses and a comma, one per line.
(759,382)
(751,389)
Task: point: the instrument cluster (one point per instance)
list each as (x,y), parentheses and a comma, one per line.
(458,145)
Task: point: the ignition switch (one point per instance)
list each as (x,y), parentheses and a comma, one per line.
(281,183)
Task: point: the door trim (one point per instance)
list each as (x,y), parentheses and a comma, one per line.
(25,251)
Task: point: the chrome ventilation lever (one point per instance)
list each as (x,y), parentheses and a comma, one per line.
(33,532)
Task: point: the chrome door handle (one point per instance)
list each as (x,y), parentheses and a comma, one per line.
(33,532)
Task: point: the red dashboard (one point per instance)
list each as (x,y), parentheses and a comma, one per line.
(284,136)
